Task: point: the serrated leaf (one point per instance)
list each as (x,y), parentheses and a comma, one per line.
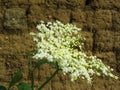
(2,87)
(24,86)
(16,79)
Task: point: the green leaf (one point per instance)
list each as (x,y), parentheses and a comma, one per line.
(24,86)
(41,62)
(2,87)
(44,61)
(15,79)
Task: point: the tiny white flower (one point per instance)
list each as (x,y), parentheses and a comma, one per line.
(38,27)
(35,39)
(50,58)
(91,71)
(32,33)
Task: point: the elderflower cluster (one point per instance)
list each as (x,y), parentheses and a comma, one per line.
(62,43)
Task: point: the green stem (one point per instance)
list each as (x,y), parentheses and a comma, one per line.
(32,81)
(32,73)
(40,88)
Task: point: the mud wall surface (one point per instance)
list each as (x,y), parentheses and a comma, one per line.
(99,19)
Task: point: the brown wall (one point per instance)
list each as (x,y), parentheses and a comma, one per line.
(99,19)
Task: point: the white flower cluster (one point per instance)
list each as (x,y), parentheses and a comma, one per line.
(62,43)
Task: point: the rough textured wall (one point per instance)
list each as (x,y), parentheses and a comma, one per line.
(99,19)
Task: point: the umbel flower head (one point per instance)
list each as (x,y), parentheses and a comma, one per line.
(62,44)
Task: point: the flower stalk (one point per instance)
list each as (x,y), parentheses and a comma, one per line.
(52,76)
